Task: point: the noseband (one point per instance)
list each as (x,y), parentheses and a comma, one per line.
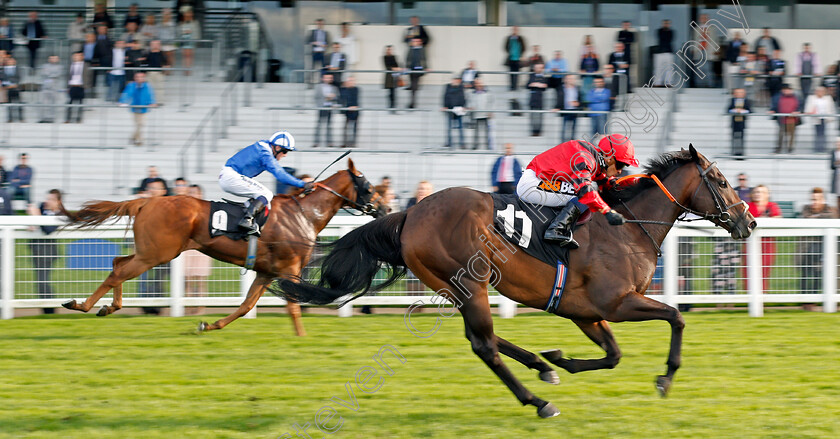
(366,207)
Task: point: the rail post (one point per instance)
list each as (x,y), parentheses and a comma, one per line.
(7,275)
(245,281)
(670,267)
(755,281)
(177,277)
(507,307)
(829,270)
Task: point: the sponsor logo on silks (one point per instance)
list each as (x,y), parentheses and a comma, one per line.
(561,187)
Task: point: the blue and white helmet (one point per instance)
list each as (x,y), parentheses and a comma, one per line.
(282,139)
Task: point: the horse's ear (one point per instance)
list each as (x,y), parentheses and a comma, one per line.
(351,166)
(693,152)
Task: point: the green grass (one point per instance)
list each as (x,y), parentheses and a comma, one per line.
(143,377)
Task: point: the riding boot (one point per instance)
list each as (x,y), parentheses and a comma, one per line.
(560,230)
(247,222)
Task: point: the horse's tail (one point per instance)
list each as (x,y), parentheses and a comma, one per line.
(94,213)
(352,264)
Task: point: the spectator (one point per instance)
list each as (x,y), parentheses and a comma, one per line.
(11,81)
(701,35)
(734,51)
(131,34)
(415,64)
(830,80)
(557,67)
(762,207)
(132,17)
(348,45)
(21,178)
(101,16)
(416,30)
(454,102)
(835,170)
(739,105)
(537,83)
(188,31)
(337,62)
(134,57)
(116,76)
(809,250)
(51,74)
(76,32)
(198,267)
(156,59)
(167,32)
(392,78)
(744,190)
(469,75)
(33,31)
(620,61)
(424,189)
(535,58)
(627,37)
(181,187)
(138,93)
(786,103)
(807,64)
(571,101)
(6,36)
(88,50)
(149,31)
(5,202)
(768,42)
(45,251)
(515,49)
(664,52)
(599,100)
(725,260)
(588,45)
(506,172)
(776,70)
(350,95)
(4,175)
(820,103)
(326,97)
(103,55)
(153,175)
(611,83)
(588,64)
(318,41)
(151,283)
(762,63)
(481,100)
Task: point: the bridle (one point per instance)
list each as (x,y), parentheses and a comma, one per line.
(722,215)
(362,186)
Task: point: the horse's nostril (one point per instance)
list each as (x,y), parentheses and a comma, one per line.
(752,225)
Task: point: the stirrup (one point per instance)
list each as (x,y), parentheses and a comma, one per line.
(556,237)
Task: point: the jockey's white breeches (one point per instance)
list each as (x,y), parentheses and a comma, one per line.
(529,191)
(242,186)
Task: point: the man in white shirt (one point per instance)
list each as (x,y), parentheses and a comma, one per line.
(819,103)
(348,45)
(76,87)
(116,77)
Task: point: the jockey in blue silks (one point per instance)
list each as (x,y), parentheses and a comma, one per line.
(238,173)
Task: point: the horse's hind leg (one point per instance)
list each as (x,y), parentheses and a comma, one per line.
(116,303)
(638,308)
(529,359)
(125,267)
(601,334)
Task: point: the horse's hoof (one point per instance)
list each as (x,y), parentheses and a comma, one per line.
(554,355)
(663,385)
(548,411)
(103,311)
(70,304)
(550,377)
(203,326)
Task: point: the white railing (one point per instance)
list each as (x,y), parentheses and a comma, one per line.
(700,265)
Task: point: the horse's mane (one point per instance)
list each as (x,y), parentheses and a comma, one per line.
(660,166)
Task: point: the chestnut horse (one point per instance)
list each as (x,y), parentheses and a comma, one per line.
(166,226)
(443,238)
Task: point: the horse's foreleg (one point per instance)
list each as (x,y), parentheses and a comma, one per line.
(637,308)
(601,334)
(297,320)
(529,359)
(254,293)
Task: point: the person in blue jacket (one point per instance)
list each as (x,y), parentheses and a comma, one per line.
(237,176)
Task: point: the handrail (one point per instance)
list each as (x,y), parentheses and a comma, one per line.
(198,135)
(437,110)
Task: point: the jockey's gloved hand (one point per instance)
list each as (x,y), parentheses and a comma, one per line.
(614,218)
(308,187)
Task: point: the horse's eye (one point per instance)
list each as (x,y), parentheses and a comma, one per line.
(722,183)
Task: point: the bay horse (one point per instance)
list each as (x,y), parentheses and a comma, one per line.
(447,235)
(166,226)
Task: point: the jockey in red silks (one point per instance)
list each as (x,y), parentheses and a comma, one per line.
(570,175)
